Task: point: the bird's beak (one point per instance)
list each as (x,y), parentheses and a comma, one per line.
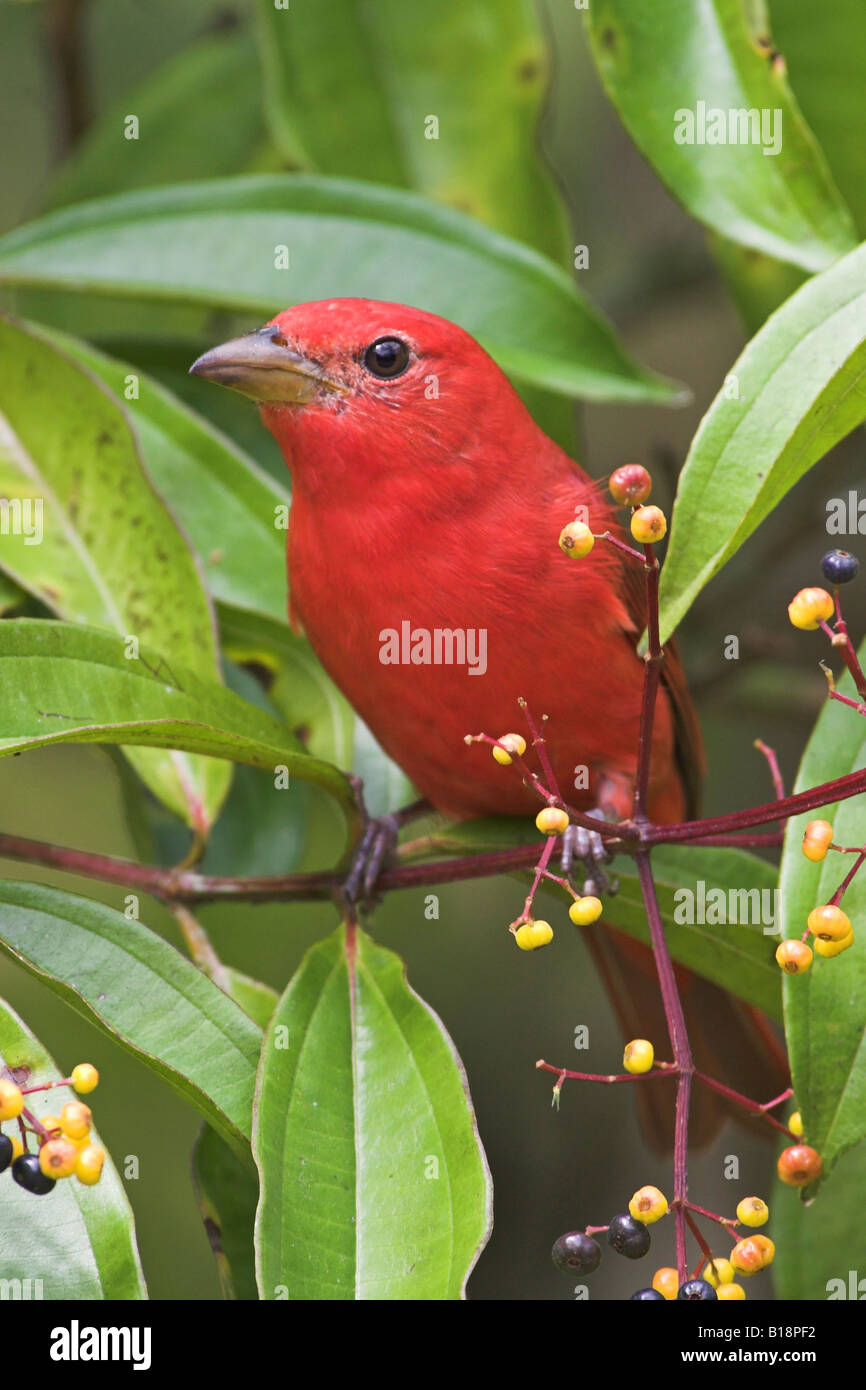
(260,365)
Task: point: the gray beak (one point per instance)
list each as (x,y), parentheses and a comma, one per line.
(260,365)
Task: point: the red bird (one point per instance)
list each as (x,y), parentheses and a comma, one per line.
(426,510)
(424,565)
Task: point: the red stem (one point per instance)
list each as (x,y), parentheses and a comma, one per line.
(564,1074)
(652,676)
(754,1107)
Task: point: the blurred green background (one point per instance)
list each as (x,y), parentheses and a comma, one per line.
(651,271)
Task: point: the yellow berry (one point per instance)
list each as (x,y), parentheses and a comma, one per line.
(795,1124)
(630,485)
(52,1123)
(533,934)
(829,923)
(794,957)
(648,1205)
(58,1157)
(753,1212)
(638,1056)
(576,540)
(17,1147)
(666,1282)
(551,821)
(11,1100)
(583,911)
(89,1164)
(75,1119)
(511,743)
(718,1272)
(731,1292)
(828,949)
(85,1078)
(648,525)
(808,607)
(816,840)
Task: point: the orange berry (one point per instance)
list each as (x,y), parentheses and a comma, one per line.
(576,540)
(799,1165)
(794,956)
(11,1100)
(75,1119)
(730,1292)
(58,1157)
(648,525)
(829,923)
(816,840)
(752,1254)
(809,606)
(89,1164)
(666,1282)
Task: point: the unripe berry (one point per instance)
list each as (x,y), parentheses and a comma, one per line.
(697,1291)
(11,1100)
(551,821)
(648,1205)
(829,923)
(638,1056)
(511,743)
(731,1292)
(52,1123)
(583,911)
(28,1174)
(628,1237)
(816,840)
(648,525)
(794,957)
(808,607)
(531,935)
(752,1254)
(630,485)
(719,1271)
(795,1124)
(576,1253)
(58,1158)
(75,1119)
(839,566)
(17,1147)
(89,1165)
(85,1078)
(753,1212)
(576,540)
(666,1282)
(799,1165)
(828,949)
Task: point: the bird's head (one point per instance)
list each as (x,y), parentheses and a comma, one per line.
(345,384)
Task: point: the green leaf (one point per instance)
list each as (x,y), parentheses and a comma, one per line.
(825,1009)
(478,68)
(63,684)
(210,90)
(724,885)
(825,64)
(76,1242)
(661,62)
(227,1195)
(374,1183)
(101,547)
(228,507)
(132,985)
(255,998)
(313,707)
(795,391)
(213,243)
(822,1241)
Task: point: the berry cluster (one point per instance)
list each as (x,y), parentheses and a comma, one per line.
(64,1145)
(577,1252)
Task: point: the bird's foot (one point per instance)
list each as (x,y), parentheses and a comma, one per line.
(377,843)
(588,847)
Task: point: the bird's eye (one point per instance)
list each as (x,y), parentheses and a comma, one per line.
(387,357)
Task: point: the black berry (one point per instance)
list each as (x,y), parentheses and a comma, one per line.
(28,1174)
(647,1295)
(576,1253)
(628,1237)
(697,1290)
(839,566)
(6,1152)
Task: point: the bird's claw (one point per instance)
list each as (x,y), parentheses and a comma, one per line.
(377,843)
(589,848)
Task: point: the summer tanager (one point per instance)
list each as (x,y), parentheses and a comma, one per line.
(426,509)
(424,566)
